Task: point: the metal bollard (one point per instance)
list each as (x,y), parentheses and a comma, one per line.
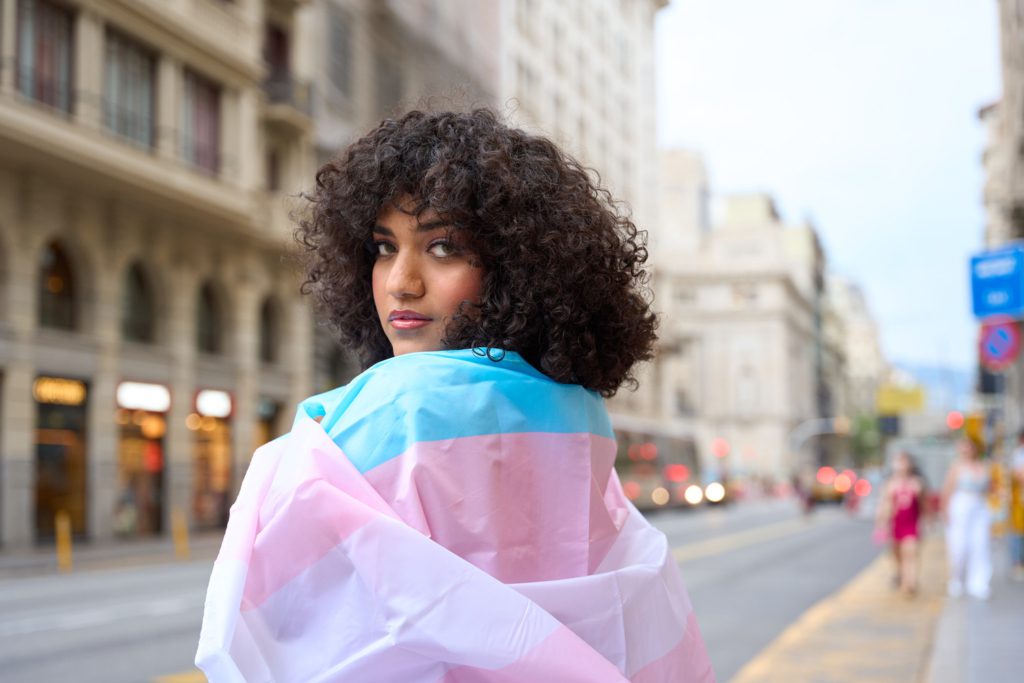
(179,530)
(62,524)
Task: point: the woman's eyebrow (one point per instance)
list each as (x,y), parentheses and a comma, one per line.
(433,225)
(422,227)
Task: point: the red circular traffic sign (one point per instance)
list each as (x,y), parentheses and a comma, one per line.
(999,344)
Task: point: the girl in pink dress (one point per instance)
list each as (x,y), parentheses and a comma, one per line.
(899,516)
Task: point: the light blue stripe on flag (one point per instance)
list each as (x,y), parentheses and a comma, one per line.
(439,395)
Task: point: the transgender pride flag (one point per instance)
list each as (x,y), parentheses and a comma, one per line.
(446,518)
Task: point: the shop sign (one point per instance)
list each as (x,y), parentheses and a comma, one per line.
(896,399)
(155,398)
(60,391)
(997,282)
(213,403)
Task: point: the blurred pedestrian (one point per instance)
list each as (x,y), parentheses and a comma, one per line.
(803,487)
(968,522)
(1017,510)
(453,513)
(898,518)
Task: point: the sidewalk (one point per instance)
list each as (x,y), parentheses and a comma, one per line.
(982,641)
(34,561)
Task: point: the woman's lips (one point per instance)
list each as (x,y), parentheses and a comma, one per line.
(407,320)
(409,323)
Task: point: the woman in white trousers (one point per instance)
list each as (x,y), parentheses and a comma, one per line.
(968,523)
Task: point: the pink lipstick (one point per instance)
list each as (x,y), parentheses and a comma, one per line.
(408,320)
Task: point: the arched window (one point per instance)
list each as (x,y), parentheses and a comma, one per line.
(57,295)
(137,320)
(268,331)
(208,321)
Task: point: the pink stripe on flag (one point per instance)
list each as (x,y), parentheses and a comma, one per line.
(687,662)
(523,507)
(560,658)
(244,520)
(315,502)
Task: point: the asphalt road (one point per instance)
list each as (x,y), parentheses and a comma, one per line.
(751,571)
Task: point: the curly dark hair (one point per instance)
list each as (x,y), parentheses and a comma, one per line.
(564,278)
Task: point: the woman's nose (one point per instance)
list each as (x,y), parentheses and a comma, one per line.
(405,280)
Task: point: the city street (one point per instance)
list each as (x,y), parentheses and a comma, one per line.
(416,293)
(751,569)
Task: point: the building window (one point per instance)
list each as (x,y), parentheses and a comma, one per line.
(744,293)
(268,331)
(208,321)
(57,296)
(137,321)
(273,170)
(389,83)
(276,47)
(684,403)
(339,46)
(746,390)
(44,53)
(684,295)
(129,90)
(200,129)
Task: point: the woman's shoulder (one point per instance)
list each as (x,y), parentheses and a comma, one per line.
(458,383)
(429,397)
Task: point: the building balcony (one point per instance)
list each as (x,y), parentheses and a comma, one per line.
(79,148)
(289,102)
(289,5)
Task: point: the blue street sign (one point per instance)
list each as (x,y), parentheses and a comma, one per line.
(997,282)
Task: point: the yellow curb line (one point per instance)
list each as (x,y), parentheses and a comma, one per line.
(193,676)
(813,649)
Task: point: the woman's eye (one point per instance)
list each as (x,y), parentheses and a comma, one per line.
(442,249)
(383,248)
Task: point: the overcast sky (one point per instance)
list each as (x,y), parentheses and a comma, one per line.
(862,115)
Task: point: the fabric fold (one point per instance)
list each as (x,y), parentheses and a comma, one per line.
(449,518)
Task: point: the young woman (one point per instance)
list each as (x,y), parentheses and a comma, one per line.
(899,518)
(968,523)
(453,514)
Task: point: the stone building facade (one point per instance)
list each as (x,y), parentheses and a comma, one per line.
(751,343)
(1003,195)
(866,366)
(145,149)
(151,151)
(580,71)
(1009,169)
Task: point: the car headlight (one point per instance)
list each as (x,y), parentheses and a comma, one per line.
(714,492)
(693,494)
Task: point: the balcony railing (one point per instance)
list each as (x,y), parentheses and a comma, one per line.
(286,89)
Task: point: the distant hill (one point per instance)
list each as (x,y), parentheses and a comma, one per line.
(946,388)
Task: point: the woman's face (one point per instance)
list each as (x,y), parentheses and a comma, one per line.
(967,449)
(420,277)
(902,465)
